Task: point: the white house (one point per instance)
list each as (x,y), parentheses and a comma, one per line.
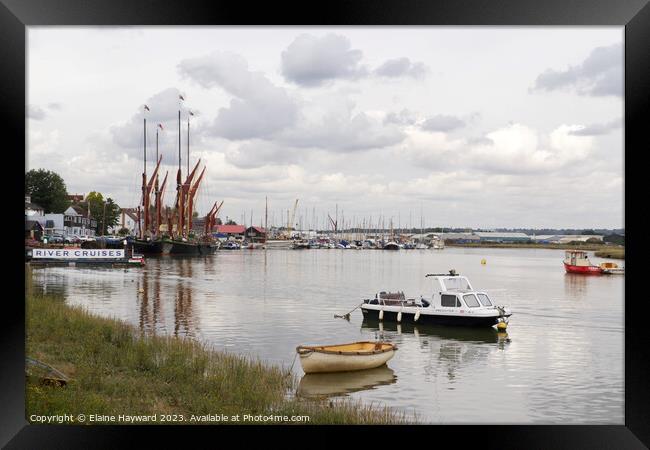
(73,222)
(128,219)
(32,209)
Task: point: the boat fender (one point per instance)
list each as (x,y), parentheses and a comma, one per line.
(381,314)
(399,316)
(417,315)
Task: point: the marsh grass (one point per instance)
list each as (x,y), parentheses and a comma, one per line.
(614,253)
(117,370)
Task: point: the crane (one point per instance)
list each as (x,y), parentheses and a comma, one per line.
(290,221)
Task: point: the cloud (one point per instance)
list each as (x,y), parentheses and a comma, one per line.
(513,149)
(163,108)
(258,153)
(598,129)
(401,67)
(341,130)
(600,74)
(35,112)
(259,108)
(404,117)
(312,61)
(55,106)
(442,123)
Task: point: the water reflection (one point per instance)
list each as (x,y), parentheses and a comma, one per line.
(449,349)
(322,385)
(474,334)
(575,285)
(183,320)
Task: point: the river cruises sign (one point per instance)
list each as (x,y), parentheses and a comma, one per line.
(77,253)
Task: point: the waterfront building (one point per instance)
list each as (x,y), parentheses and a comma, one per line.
(32,209)
(33,229)
(236,231)
(255,234)
(502,237)
(73,222)
(128,219)
(459,238)
(76,198)
(565,238)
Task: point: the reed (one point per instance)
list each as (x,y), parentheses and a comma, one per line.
(614,253)
(116,370)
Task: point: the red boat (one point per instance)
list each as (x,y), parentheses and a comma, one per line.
(576,261)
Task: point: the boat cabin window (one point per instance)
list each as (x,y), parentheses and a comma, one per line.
(450,301)
(456,283)
(470,300)
(485,301)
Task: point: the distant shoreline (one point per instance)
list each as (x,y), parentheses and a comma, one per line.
(600,249)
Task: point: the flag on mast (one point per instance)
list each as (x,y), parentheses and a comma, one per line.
(181,97)
(160,125)
(147,108)
(191,113)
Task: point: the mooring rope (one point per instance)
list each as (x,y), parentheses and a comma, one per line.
(347,315)
(292,363)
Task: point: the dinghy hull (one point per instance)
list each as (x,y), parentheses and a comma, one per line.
(346,357)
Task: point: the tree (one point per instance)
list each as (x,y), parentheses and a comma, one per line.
(47,189)
(100,209)
(231,222)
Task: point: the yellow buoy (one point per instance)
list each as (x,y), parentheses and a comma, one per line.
(502,326)
(141,291)
(483,261)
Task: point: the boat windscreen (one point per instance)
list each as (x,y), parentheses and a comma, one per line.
(456,283)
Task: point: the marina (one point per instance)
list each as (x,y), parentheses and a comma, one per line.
(238,300)
(305,225)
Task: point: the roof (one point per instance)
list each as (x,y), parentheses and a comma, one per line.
(258,229)
(131,214)
(33,206)
(79,209)
(231,229)
(33,225)
(501,235)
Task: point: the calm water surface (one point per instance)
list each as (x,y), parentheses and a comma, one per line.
(561,360)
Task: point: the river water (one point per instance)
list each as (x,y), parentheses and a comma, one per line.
(560,362)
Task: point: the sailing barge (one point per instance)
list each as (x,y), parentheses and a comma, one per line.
(178,238)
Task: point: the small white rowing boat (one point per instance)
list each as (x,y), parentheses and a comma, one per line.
(345,357)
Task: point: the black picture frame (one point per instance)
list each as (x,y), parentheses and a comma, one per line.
(634,15)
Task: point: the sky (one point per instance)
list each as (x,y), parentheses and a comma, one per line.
(482,127)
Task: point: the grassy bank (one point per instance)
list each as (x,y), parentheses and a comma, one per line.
(615,253)
(115,370)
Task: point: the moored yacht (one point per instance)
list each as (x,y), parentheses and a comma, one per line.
(453,302)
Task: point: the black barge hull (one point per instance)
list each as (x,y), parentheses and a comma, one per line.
(151,247)
(433,320)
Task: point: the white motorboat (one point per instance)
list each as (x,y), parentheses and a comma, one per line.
(453,302)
